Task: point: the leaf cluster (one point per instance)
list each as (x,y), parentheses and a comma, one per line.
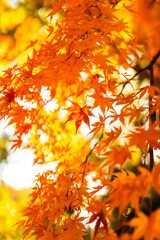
(84,75)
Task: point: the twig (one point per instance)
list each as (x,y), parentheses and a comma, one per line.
(152,117)
(148,67)
(88,155)
(69,56)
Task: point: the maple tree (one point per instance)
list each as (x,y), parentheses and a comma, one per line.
(98,67)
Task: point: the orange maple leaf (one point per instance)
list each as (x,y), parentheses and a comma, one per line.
(117,155)
(102,101)
(146,227)
(156,178)
(79,114)
(142,137)
(97,126)
(57,7)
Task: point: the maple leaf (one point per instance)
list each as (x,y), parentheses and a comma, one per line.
(113,236)
(131,186)
(47,235)
(97,126)
(95,83)
(156,178)
(17,143)
(109,138)
(146,227)
(141,137)
(102,102)
(10,95)
(117,155)
(134,112)
(7,100)
(73,227)
(142,222)
(101,219)
(126,100)
(79,114)
(57,7)
(96,189)
(76,223)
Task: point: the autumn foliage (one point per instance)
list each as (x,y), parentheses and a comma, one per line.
(87,98)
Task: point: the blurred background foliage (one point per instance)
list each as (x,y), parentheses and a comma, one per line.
(3,148)
(11,205)
(20,23)
(12,201)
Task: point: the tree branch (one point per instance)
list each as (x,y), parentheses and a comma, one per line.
(88,155)
(152,117)
(152,62)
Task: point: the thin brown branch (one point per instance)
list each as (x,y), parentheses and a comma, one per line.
(69,56)
(88,155)
(152,117)
(152,62)
(154,59)
(151,160)
(148,67)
